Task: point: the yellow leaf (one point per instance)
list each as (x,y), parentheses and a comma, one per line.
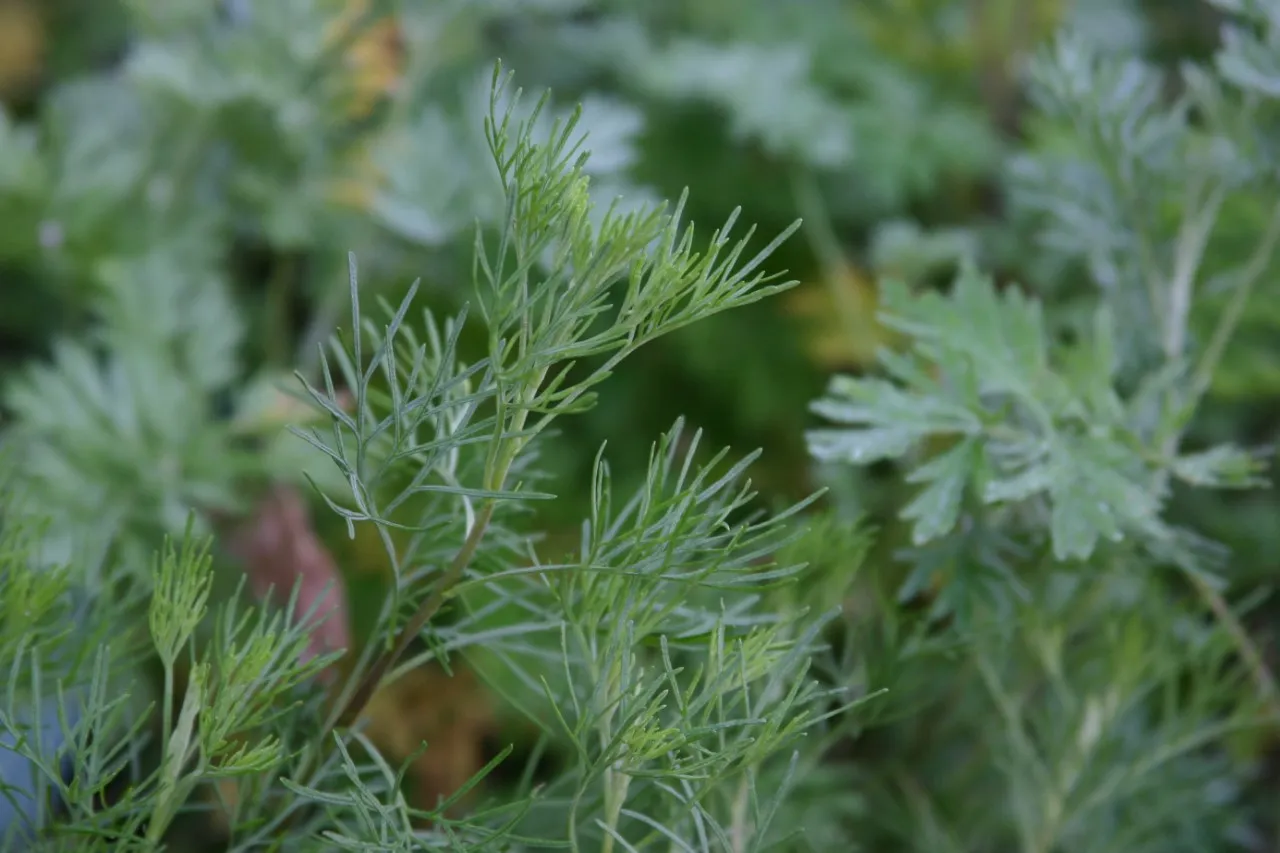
(374,63)
(22,47)
(839,313)
(452,714)
(374,58)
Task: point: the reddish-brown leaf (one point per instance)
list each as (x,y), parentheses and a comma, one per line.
(278,547)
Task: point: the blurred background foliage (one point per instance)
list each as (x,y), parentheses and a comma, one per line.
(220,157)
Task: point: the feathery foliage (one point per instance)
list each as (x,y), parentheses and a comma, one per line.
(683,687)
(1037,256)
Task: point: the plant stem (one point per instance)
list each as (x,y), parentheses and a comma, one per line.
(738,829)
(1230,320)
(346,714)
(1262,675)
(167,711)
(1190,249)
(1193,237)
(616,784)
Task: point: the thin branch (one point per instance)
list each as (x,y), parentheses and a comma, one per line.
(1258,264)
(347,713)
(1193,237)
(1227,324)
(1262,675)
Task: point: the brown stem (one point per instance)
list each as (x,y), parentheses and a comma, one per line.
(347,713)
(1248,650)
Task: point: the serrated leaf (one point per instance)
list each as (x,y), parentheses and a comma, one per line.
(892,420)
(873,401)
(1076,522)
(1030,481)
(1001,335)
(1221,467)
(1093,497)
(1090,368)
(859,446)
(992,381)
(937,508)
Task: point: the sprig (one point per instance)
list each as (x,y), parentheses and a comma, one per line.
(1053,451)
(544,288)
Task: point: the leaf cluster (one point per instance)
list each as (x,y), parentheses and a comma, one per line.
(684,683)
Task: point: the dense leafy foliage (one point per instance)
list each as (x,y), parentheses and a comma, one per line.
(306,314)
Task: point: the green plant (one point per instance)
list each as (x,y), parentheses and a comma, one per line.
(1097,683)
(658,656)
(1064,614)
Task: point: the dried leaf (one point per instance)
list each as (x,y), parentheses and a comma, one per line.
(278,546)
(374,59)
(840,313)
(22,46)
(451,713)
